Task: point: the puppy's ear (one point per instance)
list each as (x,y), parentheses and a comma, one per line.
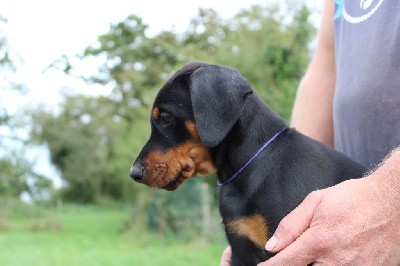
(218,97)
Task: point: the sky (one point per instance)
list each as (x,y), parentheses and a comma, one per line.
(42,31)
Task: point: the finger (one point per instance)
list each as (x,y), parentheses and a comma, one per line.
(303,251)
(226,258)
(294,224)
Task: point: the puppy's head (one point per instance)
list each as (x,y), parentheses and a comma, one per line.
(193,112)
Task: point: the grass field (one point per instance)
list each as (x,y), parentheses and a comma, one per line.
(92,235)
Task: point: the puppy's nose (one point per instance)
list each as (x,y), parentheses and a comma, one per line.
(136,173)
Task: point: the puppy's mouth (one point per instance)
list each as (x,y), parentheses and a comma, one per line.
(176,182)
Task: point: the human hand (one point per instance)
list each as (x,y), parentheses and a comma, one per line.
(356,222)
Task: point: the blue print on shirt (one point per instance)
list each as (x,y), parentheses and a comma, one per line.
(356,13)
(339,8)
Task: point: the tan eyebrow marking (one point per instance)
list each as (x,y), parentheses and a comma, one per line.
(156,113)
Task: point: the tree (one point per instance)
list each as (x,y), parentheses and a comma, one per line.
(85,146)
(6,64)
(134,63)
(17,174)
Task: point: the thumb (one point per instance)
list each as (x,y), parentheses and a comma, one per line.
(294,224)
(226,257)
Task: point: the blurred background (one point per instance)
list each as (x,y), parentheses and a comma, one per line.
(77,83)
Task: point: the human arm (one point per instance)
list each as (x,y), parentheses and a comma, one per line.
(313,109)
(356,222)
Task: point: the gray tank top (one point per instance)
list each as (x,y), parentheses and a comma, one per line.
(367,97)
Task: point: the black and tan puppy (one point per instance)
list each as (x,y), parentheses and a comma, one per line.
(207,118)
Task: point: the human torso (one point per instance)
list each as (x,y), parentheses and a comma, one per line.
(367,98)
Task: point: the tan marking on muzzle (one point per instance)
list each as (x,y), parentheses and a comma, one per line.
(171,168)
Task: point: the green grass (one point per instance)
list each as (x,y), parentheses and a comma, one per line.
(92,235)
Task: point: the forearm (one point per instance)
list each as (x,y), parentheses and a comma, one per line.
(388,173)
(313,109)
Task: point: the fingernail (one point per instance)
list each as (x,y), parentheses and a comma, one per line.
(271,243)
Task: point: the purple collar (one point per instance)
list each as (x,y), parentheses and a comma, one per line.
(251,159)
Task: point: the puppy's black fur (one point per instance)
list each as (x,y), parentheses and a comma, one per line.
(206,118)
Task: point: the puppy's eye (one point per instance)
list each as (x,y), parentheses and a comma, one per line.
(165,119)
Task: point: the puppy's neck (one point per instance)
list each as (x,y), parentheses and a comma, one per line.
(256,125)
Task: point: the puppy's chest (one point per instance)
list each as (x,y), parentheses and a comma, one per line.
(243,219)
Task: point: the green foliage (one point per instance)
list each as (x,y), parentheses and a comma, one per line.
(178,213)
(134,63)
(269,45)
(271,51)
(5,63)
(85,143)
(17,177)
